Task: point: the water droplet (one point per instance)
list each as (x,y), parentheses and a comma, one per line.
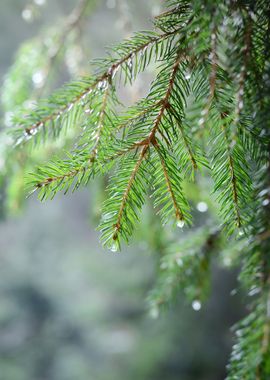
(180,223)
(40,2)
(239,333)
(237,356)
(211,56)
(8,118)
(163,265)
(142,52)
(113,71)
(253,291)
(154,312)
(27,15)
(179,262)
(241,105)
(94,135)
(253,15)
(102,85)
(213,36)
(265,202)
(204,112)
(196,305)
(201,122)
(188,75)
(58,115)
(19,140)
(32,192)
(241,92)
(114,247)
(130,65)
(202,207)
(87,111)
(227,261)
(241,233)
(70,106)
(38,78)
(232,144)
(30,132)
(263,192)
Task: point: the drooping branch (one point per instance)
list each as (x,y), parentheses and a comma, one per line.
(72,23)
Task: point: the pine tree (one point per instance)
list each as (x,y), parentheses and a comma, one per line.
(207,112)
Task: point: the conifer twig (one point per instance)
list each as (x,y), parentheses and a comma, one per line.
(105,76)
(179,215)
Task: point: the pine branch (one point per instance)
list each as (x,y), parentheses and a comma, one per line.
(54,110)
(184,268)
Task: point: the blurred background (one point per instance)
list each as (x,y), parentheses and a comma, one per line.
(69,309)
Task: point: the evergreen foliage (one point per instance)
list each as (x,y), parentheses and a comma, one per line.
(207,111)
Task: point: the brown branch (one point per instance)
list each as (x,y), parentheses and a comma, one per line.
(50,180)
